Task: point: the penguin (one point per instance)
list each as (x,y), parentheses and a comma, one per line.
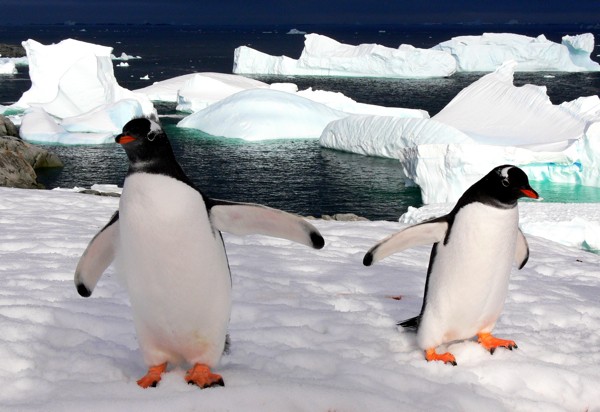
(474,247)
(166,242)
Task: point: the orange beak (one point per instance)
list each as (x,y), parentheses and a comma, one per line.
(530,193)
(125,139)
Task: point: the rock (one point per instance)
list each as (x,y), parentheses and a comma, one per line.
(34,155)
(19,159)
(7,128)
(16,172)
(345,217)
(12,50)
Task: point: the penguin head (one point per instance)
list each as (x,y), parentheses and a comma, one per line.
(144,140)
(507,184)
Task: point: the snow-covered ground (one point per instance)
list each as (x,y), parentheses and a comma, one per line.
(310,330)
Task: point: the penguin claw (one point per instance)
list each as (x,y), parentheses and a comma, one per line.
(491,343)
(432,355)
(201,376)
(151,379)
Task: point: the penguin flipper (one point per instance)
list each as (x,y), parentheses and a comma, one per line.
(98,255)
(422,234)
(247,218)
(521,251)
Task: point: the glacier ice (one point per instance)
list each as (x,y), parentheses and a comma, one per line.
(195,91)
(281,112)
(7,66)
(490,50)
(323,56)
(72,83)
(490,122)
(261,114)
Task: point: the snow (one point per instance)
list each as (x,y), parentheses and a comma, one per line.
(490,50)
(489,122)
(310,330)
(324,56)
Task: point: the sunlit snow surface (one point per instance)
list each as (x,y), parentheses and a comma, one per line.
(310,330)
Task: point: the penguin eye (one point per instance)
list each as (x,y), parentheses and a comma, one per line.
(505,182)
(151,136)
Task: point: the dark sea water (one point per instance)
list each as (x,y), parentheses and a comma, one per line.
(296,175)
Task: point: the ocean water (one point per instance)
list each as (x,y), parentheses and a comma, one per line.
(294,175)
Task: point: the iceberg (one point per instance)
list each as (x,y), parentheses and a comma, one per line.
(262,114)
(281,112)
(323,56)
(7,66)
(196,91)
(386,136)
(74,92)
(98,126)
(490,50)
(488,123)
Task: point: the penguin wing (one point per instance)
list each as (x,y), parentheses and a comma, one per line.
(522,250)
(247,218)
(424,233)
(99,253)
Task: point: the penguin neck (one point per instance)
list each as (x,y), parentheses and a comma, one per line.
(162,164)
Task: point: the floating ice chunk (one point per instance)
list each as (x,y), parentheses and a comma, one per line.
(493,111)
(204,89)
(95,127)
(261,114)
(73,77)
(195,91)
(124,57)
(107,118)
(488,51)
(490,122)
(386,136)
(123,64)
(38,126)
(323,56)
(7,66)
(339,101)
(296,31)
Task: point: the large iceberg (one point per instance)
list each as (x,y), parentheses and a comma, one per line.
(490,50)
(72,83)
(261,114)
(323,56)
(196,91)
(282,112)
(490,122)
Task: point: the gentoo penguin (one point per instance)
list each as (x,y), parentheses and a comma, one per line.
(167,246)
(474,247)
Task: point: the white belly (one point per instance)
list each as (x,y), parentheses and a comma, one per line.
(468,282)
(175,269)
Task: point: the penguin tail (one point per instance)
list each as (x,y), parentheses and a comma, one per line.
(411,323)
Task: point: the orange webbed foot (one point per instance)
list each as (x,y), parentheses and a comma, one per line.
(201,375)
(153,376)
(491,343)
(432,355)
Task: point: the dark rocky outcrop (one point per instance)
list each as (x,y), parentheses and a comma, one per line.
(19,159)
(12,50)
